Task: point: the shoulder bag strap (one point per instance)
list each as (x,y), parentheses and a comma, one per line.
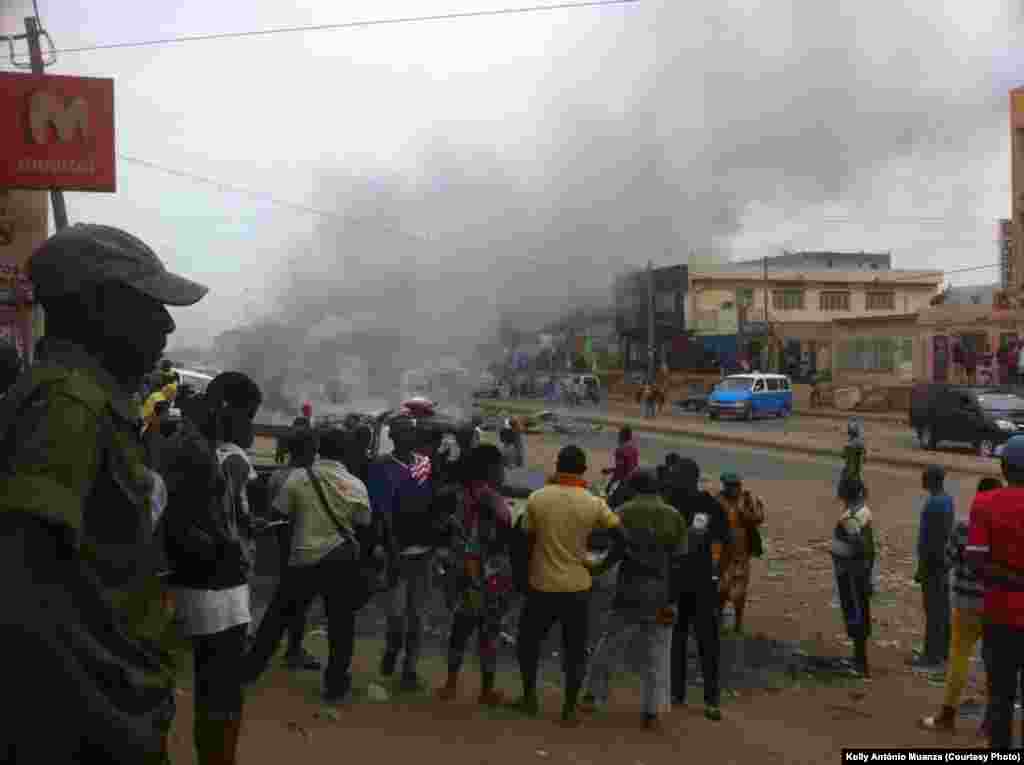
(345,533)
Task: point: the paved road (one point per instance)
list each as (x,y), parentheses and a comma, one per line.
(894,437)
(716,458)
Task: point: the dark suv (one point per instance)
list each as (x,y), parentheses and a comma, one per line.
(984,417)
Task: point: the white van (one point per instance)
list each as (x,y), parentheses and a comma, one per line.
(197,381)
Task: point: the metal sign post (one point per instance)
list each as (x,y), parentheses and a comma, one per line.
(60,211)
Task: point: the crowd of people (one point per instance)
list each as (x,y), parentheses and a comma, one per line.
(115,528)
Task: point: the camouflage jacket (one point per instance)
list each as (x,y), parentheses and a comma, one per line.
(71,457)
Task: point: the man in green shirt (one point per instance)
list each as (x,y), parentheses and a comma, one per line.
(654,533)
(83,604)
(854,452)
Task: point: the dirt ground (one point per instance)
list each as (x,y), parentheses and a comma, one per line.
(791,599)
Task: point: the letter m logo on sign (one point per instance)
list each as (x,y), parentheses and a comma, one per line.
(69,118)
(57,132)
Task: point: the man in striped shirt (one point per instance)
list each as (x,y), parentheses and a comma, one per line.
(968,602)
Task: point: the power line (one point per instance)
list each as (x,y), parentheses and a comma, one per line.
(351,25)
(264,195)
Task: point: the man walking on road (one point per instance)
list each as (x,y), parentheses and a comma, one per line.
(854,452)
(937,520)
(83,608)
(995,545)
(559,520)
(627,460)
(698,574)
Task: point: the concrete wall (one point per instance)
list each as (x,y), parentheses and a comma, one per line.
(709,292)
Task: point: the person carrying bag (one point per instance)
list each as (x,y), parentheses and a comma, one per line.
(326,503)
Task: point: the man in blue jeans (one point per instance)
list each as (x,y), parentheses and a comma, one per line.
(401,490)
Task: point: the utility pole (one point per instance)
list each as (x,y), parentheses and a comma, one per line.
(764,279)
(650,322)
(60,211)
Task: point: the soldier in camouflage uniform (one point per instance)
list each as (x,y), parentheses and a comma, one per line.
(84,608)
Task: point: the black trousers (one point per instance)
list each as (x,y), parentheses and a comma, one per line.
(698,611)
(1006,673)
(333,581)
(854,585)
(297,628)
(487,632)
(217,663)
(572,612)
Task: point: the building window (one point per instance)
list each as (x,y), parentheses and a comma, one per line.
(835,301)
(745,296)
(788,300)
(875,354)
(881,301)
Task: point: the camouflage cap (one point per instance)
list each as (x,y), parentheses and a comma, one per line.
(87,253)
(731,479)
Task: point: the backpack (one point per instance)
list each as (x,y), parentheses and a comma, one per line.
(645,574)
(201,523)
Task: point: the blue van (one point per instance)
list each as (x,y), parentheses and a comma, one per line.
(751,395)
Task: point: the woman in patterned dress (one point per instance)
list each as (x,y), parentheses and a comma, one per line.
(480,587)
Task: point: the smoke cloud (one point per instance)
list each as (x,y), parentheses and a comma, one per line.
(657,133)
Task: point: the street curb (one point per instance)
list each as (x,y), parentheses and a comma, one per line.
(882,417)
(839,416)
(950,463)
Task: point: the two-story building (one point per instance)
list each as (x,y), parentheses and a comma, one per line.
(781,318)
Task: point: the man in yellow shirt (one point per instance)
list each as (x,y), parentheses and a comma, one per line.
(150,413)
(559,520)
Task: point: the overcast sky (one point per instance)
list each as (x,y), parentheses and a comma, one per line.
(524,158)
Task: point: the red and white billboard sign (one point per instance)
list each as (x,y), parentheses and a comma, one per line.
(56,132)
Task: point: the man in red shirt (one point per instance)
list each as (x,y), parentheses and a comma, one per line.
(627,460)
(995,546)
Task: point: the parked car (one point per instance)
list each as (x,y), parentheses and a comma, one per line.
(696,399)
(197,381)
(581,388)
(984,417)
(751,395)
